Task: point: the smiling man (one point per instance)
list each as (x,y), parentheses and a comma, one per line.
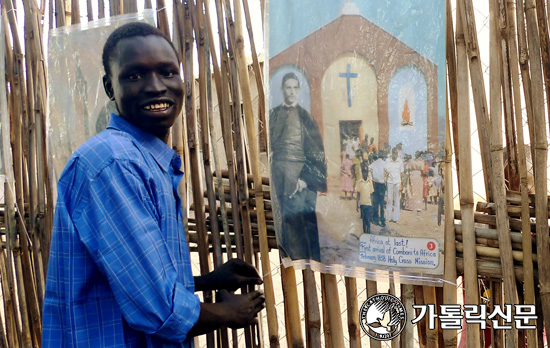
(119,272)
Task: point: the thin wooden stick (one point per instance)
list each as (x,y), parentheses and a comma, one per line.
(497,167)
(252,142)
(313,317)
(75,12)
(452,77)
(541,150)
(332,303)
(372,289)
(353,309)
(449,288)
(89,10)
(529,281)
(294,327)
(478,88)
(407,336)
(432,339)
(465,173)
(421,326)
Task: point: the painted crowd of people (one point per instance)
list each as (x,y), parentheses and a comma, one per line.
(384,182)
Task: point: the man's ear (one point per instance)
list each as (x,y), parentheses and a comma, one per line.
(108,86)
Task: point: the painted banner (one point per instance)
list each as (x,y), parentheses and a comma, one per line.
(357,134)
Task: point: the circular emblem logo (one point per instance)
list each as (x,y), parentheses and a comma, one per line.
(382,317)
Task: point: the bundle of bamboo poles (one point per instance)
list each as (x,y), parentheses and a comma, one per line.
(503,242)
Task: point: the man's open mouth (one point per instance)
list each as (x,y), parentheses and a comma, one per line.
(157,107)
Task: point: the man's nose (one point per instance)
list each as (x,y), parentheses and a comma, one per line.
(155,84)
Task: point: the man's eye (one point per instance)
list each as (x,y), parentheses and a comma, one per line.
(134,77)
(169,74)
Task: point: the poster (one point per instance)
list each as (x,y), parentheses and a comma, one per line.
(78,107)
(356,135)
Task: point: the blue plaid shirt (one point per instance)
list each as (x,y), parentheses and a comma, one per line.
(119,273)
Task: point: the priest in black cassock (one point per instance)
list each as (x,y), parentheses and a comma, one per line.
(298,173)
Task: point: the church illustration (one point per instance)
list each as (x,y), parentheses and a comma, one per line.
(361,80)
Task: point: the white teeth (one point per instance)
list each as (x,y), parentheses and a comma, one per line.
(155,107)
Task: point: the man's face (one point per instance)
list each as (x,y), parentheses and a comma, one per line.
(145,83)
(290,90)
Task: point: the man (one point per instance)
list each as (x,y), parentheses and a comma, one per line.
(379,181)
(298,171)
(119,272)
(394,173)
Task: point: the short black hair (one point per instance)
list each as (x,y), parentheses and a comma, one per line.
(290,76)
(127,31)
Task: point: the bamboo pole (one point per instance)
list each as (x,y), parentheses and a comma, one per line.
(407,336)
(465,174)
(497,167)
(240,154)
(449,289)
(421,326)
(541,150)
(313,317)
(294,327)
(213,135)
(353,309)
(544,46)
(327,330)
(432,338)
(494,253)
(371,291)
(89,10)
(452,77)
(332,304)
(258,78)
(252,142)
(222,86)
(75,12)
(529,281)
(478,88)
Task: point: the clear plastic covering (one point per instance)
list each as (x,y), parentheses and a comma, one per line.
(78,107)
(357,134)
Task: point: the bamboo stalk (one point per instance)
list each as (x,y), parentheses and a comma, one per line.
(258,78)
(371,291)
(101,9)
(332,304)
(353,309)
(421,326)
(497,168)
(75,12)
(89,10)
(213,135)
(544,46)
(407,336)
(449,291)
(294,328)
(252,142)
(432,337)
(497,300)
(313,317)
(222,86)
(541,150)
(529,282)
(495,252)
(452,77)
(478,87)
(327,330)
(465,174)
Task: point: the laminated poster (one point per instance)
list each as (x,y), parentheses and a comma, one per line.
(356,135)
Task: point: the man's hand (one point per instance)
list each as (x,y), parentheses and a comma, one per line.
(234,311)
(300,185)
(232,275)
(241,309)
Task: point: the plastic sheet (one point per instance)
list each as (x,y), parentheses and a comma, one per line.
(357,104)
(77,105)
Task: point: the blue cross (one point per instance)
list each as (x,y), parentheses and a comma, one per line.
(348,75)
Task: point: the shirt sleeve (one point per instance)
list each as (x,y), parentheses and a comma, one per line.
(118,223)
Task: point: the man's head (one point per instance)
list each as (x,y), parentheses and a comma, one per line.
(142,77)
(394,153)
(290,88)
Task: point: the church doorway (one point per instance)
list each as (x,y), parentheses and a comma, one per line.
(351,133)
(349,102)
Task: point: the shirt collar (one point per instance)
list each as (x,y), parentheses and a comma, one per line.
(160,151)
(293,105)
